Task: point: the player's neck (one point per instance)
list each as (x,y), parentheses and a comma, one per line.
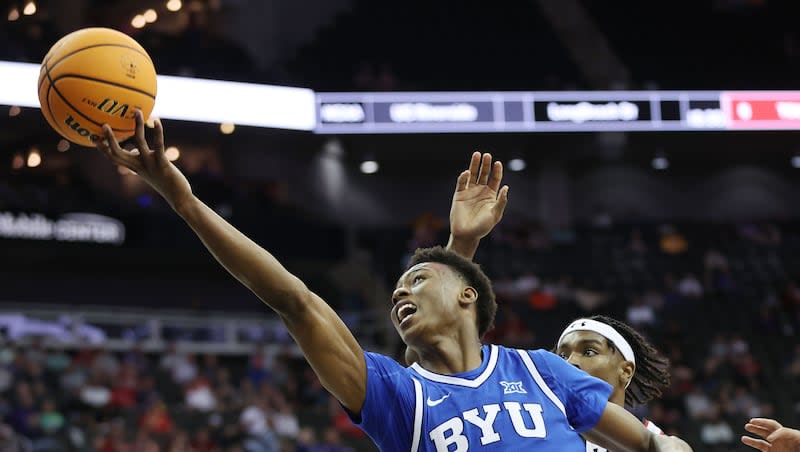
(448,356)
(618,397)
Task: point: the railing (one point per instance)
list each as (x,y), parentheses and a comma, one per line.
(118,329)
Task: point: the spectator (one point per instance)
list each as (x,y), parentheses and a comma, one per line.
(715,432)
(156,419)
(50,420)
(23,414)
(258,435)
(332,442)
(284,420)
(170,357)
(793,366)
(184,369)
(698,404)
(341,421)
(179,442)
(124,385)
(203,442)
(306,440)
(689,287)
(640,314)
(636,243)
(199,395)
(95,394)
(12,441)
(671,241)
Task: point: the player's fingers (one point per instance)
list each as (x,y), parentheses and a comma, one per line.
(497,176)
(475,164)
(759,444)
(502,200)
(102,146)
(158,141)
(141,139)
(463,180)
(769,424)
(115,157)
(777,435)
(112,145)
(486,169)
(757,430)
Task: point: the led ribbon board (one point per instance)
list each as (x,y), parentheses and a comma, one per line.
(192,99)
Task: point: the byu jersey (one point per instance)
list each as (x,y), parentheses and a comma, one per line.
(516,400)
(592,447)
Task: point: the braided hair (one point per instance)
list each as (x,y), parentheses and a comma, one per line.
(652,368)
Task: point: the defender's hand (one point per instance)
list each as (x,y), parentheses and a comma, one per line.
(777,438)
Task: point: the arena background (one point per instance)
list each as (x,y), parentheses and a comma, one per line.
(133,338)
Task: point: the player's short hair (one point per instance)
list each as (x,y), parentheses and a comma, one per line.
(472,274)
(652,368)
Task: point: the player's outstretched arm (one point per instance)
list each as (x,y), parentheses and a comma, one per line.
(776,438)
(328,345)
(620,430)
(478,204)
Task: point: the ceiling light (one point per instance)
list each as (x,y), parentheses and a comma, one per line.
(150,16)
(34,158)
(174,5)
(660,163)
(172,153)
(369,167)
(138,21)
(517,164)
(30,9)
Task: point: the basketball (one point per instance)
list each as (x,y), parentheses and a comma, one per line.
(96,76)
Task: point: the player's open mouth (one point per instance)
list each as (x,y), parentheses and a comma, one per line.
(405,313)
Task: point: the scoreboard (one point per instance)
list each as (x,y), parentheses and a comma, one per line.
(556,111)
(281,107)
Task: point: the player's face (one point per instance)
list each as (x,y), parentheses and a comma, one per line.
(589,351)
(426,302)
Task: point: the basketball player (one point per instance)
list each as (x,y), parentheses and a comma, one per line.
(603,347)
(777,438)
(461,394)
(616,353)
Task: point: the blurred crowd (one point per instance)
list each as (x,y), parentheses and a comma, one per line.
(721,301)
(93,399)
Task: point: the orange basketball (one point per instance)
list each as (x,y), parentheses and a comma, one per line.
(92,77)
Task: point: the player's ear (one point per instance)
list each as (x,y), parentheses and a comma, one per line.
(625,372)
(468,295)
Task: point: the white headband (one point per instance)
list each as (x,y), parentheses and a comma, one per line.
(605,330)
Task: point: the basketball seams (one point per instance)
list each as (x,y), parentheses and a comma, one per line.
(63,52)
(48,111)
(63,98)
(64,57)
(72,107)
(106,82)
(50,108)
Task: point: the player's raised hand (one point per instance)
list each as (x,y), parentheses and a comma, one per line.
(776,438)
(478,201)
(148,162)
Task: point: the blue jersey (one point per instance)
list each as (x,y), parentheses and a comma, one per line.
(516,400)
